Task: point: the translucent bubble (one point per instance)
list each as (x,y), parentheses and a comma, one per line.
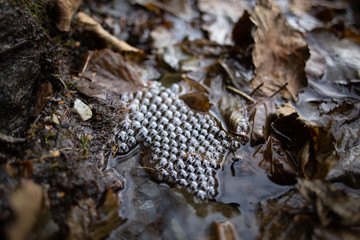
(235,145)
(201,178)
(172,157)
(158,114)
(169,166)
(193,185)
(211,181)
(220,149)
(203,185)
(173,143)
(165,146)
(201,194)
(168,101)
(202,121)
(147,142)
(201,149)
(122,136)
(130,132)
(199,171)
(156,150)
(131,142)
(210,149)
(147,115)
(177,114)
(187,133)
(172,176)
(170,127)
(160,127)
(182,182)
(190,150)
(211,122)
(190,168)
(172,108)
(163,107)
(178,103)
(163,174)
(152,107)
(178,131)
(203,132)
(197,127)
(163,120)
(168,114)
(165,154)
(156,144)
(182,153)
(211,192)
(215,143)
(213,130)
(189,159)
(164,95)
(221,135)
(194,133)
(182,147)
(205,163)
(183,117)
(205,126)
(182,174)
(176,121)
(152,125)
(174,150)
(209,171)
(123,148)
(139,95)
(225,144)
(209,137)
(200,138)
(148,95)
(192,141)
(205,144)
(125,125)
(186,126)
(175,88)
(191,177)
(197,163)
(157,138)
(172,135)
(183,109)
(124,98)
(179,164)
(136,125)
(143,109)
(193,120)
(145,101)
(181,139)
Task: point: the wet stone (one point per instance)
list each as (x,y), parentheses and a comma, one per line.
(183,147)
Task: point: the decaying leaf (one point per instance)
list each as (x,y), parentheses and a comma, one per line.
(31,208)
(89,24)
(108,71)
(219,17)
(332,204)
(225,231)
(197,101)
(278,217)
(67,9)
(296,147)
(235,115)
(280,53)
(87,222)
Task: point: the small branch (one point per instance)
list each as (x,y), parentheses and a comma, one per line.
(244,95)
(257,88)
(267,98)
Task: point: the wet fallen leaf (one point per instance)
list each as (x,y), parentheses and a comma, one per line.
(108,71)
(234,114)
(332,204)
(87,222)
(225,231)
(296,147)
(197,101)
(219,18)
(67,9)
(280,53)
(31,208)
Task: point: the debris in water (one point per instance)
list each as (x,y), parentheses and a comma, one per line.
(82,110)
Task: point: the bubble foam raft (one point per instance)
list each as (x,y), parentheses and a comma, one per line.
(184,148)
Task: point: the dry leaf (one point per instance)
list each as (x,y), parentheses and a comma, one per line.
(89,24)
(280,53)
(108,71)
(198,101)
(67,9)
(332,204)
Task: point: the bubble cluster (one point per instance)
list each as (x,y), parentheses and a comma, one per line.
(185,147)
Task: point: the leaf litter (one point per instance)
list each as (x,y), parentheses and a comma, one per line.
(296,63)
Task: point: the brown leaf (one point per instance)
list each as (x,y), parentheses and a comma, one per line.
(67,9)
(85,222)
(108,71)
(332,204)
(32,213)
(89,24)
(198,101)
(280,53)
(225,231)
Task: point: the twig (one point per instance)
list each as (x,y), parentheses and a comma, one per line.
(267,98)
(241,93)
(257,88)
